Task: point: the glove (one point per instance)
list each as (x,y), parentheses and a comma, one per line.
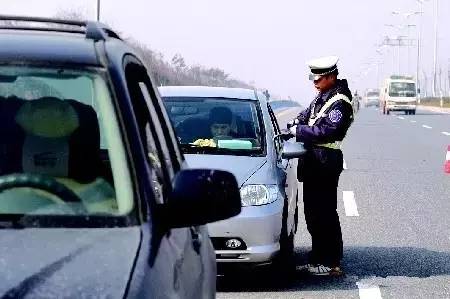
(293,123)
(293,130)
(286,134)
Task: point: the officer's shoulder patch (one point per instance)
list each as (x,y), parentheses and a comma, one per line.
(335,115)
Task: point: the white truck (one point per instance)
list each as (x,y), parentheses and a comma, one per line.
(399,94)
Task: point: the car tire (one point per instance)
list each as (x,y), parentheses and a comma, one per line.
(387,112)
(413,112)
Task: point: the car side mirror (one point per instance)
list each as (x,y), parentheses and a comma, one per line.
(201,196)
(292,150)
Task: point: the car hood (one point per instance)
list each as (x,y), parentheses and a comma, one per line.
(66,263)
(242,167)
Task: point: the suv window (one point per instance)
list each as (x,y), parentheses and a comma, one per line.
(161,150)
(59,126)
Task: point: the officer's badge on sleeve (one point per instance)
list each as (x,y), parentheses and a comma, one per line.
(335,116)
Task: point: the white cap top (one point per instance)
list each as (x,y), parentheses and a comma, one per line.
(322,66)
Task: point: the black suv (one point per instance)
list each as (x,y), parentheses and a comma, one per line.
(95,197)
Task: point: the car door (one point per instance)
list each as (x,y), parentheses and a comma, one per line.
(183,257)
(289,170)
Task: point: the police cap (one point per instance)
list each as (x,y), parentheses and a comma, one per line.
(322,66)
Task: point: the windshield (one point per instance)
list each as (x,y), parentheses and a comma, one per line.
(402,89)
(216,125)
(59,157)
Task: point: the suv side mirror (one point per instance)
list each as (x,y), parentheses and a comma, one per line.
(292,150)
(201,196)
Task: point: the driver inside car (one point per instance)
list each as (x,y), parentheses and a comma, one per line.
(220,119)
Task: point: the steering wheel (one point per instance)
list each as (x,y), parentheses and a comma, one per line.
(41,182)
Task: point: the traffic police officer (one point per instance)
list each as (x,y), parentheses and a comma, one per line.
(322,127)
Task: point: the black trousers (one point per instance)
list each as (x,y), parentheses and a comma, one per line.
(321,170)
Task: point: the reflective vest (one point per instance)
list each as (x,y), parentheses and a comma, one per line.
(324,113)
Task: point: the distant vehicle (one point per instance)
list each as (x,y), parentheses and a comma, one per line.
(96,200)
(264,231)
(399,94)
(356,102)
(372,98)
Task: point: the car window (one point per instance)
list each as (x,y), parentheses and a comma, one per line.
(216,125)
(151,131)
(276,130)
(59,128)
(402,89)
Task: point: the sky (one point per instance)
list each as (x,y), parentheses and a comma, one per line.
(268,43)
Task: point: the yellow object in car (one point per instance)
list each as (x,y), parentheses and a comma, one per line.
(205,142)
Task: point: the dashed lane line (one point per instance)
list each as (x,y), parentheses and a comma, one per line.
(414,121)
(350,207)
(368,291)
(446,133)
(427,127)
(401,117)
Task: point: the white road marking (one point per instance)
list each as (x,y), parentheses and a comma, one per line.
(427,127)
(447,156)
(446,133)
(414,121)
(367,291)
(401,117)
(349,203)
(344,165)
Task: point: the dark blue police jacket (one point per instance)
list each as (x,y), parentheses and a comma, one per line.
(334,125)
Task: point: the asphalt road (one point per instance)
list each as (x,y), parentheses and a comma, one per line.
(397,243)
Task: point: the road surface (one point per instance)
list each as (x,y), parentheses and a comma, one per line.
(394,206)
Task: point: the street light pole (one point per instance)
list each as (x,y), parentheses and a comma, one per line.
(419,41)
(98,10)
(436,15)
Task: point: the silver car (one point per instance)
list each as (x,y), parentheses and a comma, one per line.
(236,130)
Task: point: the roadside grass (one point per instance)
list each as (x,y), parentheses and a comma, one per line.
(435,102)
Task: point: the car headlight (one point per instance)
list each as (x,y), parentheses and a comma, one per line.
(257,195)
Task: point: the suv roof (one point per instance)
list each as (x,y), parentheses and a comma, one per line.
(206,91)
(51,40)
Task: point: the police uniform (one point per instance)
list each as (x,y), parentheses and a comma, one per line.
(322,127)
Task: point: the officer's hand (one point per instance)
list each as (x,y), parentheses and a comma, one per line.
(286,134)
(293,130)
(292,123)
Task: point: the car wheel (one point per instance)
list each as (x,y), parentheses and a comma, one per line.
(413,112)
(387,112)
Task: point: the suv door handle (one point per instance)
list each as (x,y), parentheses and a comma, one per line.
(196,239)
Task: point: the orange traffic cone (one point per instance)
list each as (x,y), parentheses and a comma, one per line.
(447,161)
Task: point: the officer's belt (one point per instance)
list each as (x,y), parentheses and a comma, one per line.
(332,145)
